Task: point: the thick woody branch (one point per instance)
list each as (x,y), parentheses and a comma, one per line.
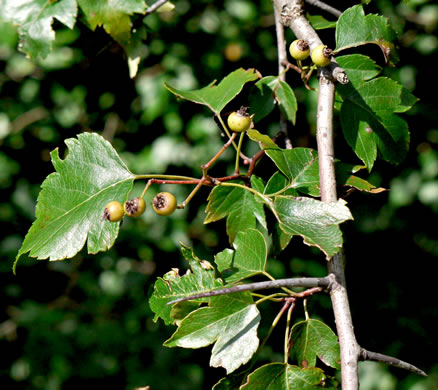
(293,16)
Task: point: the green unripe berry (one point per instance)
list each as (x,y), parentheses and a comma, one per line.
(299,49)
(164,203)
(135,207)
(239,121)
(321,55)
(113,211)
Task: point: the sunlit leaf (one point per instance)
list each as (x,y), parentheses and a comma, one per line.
(34,19)
(72,200)
(317,222)
(216,97)
(230,321)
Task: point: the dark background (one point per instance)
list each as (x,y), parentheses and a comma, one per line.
(86,320)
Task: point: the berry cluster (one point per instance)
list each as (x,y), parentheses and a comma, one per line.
(163,203)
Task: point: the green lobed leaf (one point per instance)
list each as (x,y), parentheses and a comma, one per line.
(112,15)
(368,110)
(231,382)
(317,222)
(264,140)
(345,175)
(247,259)
(230,321)
(318,22)
(287,101)
(216,97)
(70,205)
(236,204)
(283,376)
(278,182)
(199,279)
(354,29)
(261,97)
(300,166)
(312,339)
(270,91)
(34,19)
(300,171)
(359,68)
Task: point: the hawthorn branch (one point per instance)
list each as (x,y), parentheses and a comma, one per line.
(282,57)
(293,15)
(325,7)
(351,352)
(323,283)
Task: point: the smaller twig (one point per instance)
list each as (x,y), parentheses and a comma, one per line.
(288,332)
(325,7)
(392,361)
(28,118)
(155,6)
(208,165)
(253,161)
(322,283)
(289,65)
(239,148)
(193,193)
(285,306)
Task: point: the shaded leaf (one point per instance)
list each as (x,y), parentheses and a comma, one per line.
(367,114)
(280,239)
(216,97)
(282,376)
(270,91)
(199,279)
(312,339)
(231,382)
(355,29)
(247,259)
(230,321)
(317,222)
(72,200)
(345,176)
(236,204)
